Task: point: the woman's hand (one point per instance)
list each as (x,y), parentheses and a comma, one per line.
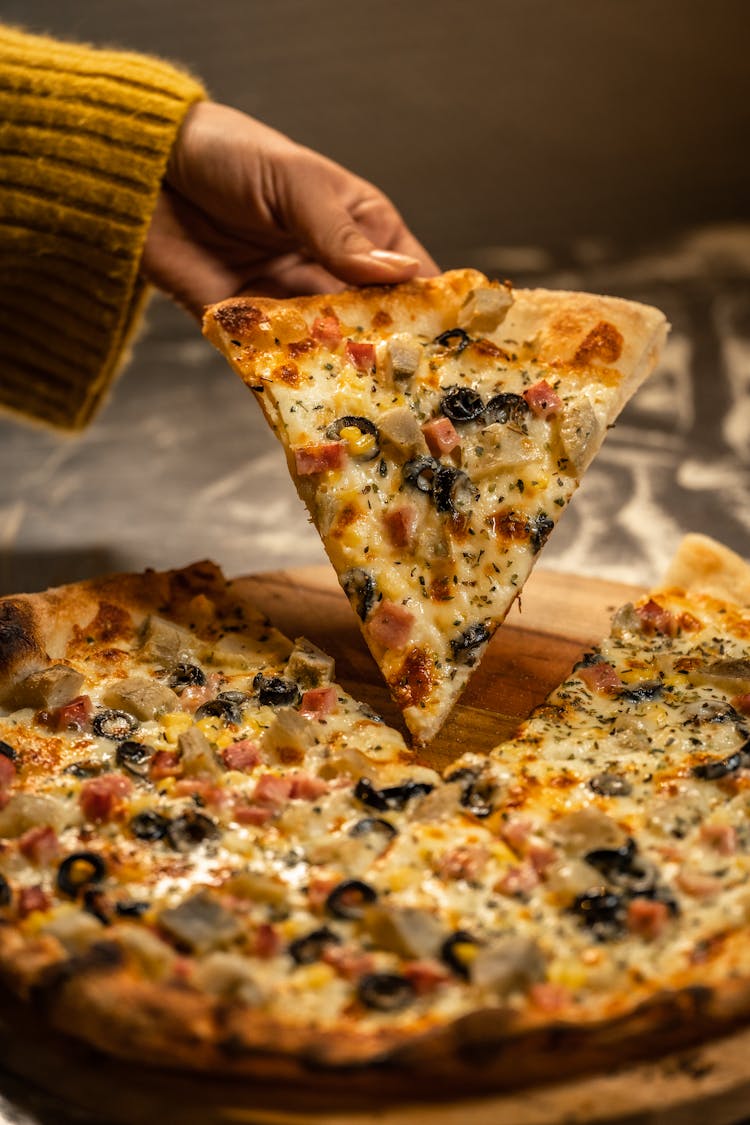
(245,209)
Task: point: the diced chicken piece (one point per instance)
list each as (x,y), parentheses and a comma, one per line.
(151,954)
(441,436)
(230,976)
(164,642)
(27,810)
(485,309)
(511,964)
(579,433)
(497,447)
(141,697)
(75,929)
(257,887)
(200,924)
(441,802)
(390,625)
(288,737)
(313,459)
(569,878)
(401,357)
(198,759)
(49,688)
(309,666)
(401,428)
(587,830)
(234,651)
(406,931)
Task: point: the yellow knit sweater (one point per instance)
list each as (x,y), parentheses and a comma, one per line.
(84,139)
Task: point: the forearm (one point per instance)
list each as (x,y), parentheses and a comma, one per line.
(85,136)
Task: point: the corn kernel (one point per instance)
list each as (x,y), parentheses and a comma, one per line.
(570,973)
(403,877)
(313,976)
(175,723)
(359,443)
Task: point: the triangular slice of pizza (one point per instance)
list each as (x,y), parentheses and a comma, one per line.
(436,431)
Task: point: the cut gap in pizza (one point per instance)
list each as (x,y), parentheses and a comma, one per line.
(436,431)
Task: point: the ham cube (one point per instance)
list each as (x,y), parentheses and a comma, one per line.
(319,702)
(441,436)
(327,330)
(314,459)
(390,625)
(541,400)
(362,356)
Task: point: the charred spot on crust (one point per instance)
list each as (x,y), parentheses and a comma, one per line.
(100,957)
(414,680)
(287,373)
(240,317)
(603,344)
(16,636)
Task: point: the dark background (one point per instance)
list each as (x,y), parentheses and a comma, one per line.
(531,121)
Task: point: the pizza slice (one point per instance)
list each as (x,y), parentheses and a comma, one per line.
(436,431)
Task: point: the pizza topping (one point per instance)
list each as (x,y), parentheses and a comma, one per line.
(8,751)
(600,676)
(390,625)
(135,757)
(31,899)
(647,918)
(198,759)
(80,870)
(200,923)
(375,826)
(40,845)
(149,825)
(360,435)
(243,755)
(406,931)
(393,797)
(101,797)
(457,339)
(485,309)
(308,666)
(190,829)
(464,646)
(507,407)
(385,992)
(7,772)
(50,688)
(359,587)
(462,405)
(224,707)
(75,715)
(509,964)
(401,357)
(275,691)
(142,698)
(452,490)
(319,702)
(420,473)
(542,400)
(313,459)
(441,437)
(327,330)
(601,911)
(115,725)
(6,894)
(401,525)
(610,785)
(713,771)
(349,899)
(185,675)
(310,948)
(361,355)
(655,618)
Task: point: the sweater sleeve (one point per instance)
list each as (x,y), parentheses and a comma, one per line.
(85,135)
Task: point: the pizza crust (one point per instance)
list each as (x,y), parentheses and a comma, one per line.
(701,565)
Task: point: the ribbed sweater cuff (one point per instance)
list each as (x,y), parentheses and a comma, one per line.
(85,135)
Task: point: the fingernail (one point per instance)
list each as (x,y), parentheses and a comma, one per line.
(391,258)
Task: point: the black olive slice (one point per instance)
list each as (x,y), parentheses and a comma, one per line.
(462,405)
(6,895)
(420,473)
(135,757)
(465,643)
(610,785)
(95,903)
(601,911)
(454,950)
(477,798)
(186,675)
(239,698)
(149,825)
(116,725)
(385,992)
(359,587)
(456,338)
(394,797)
(452,490)
(131,908)
(506,407)
(644,692)
(84,769)
(611,860)
(349,899)
(307,949)
(365,426)
(376,825)
(80,870)
(222,709)
(275,691)
(714,771)
(8,751)
(539,531)
(190,829)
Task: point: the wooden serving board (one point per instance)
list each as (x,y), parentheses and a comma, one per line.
(560,617)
